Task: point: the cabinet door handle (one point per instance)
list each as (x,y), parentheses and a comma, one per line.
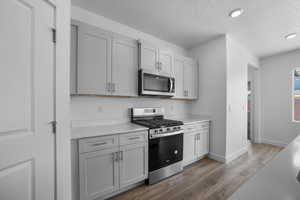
(99,144)
(108,87)
(120,155)
(115,157)
(133,138)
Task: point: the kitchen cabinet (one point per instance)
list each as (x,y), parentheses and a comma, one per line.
(179,80)
(186,78)
(155,60)
(102,63)
(99,173)
(133,164)
(190,79)
(195,142)
(94,60)
(110,164)
(124,67)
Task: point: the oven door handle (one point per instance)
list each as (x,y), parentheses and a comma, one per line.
(166,134)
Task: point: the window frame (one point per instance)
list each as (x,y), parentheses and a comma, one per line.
(293,95)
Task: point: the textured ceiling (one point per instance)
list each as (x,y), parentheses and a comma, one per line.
(188,23)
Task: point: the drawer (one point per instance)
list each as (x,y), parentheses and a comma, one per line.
(132,138)
(98,143)
(196,126)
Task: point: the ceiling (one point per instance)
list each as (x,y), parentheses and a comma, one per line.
(189,23)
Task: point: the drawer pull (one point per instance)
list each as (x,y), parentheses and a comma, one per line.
(133,138)
(99,144)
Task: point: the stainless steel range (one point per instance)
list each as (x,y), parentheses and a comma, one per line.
(165,142)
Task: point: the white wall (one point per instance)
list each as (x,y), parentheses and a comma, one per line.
(276,98)
(212,90)
(223,76)
(111,109)
(238,60)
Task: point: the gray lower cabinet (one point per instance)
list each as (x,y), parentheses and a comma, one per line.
(133,164)
(99,173)
(195,142)
(111,164)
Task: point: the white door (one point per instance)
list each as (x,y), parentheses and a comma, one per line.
(166,63)
(178,68)
(27,100)
(148,57)
(94,60)
(124,67)
(98,173)
(190,79)
(133,164)
(189,148)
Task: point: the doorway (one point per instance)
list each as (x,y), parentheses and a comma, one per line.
(251,90)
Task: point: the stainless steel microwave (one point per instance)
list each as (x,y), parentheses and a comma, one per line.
(153,84)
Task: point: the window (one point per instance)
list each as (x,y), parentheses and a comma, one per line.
(296,94)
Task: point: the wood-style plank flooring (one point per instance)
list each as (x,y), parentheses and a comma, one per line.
(207,179)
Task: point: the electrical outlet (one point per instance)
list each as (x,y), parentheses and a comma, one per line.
(99,109)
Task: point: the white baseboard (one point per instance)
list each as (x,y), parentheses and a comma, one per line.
(237,154)
(273,142)
(229,158)
(217,157)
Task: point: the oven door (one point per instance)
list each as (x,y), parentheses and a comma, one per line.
(151,84)
(165,151)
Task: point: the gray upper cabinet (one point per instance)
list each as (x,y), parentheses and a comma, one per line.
(190,79)
(124,67)
(154,59)
(148,57)
(94,60)
(178,70)
(165,62)
(102,63)
(186,78)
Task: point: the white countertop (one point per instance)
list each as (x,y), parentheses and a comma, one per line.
(276,181)
(188,119)
(101,130)
(94,130)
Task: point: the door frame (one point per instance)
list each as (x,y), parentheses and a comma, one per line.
(62,99)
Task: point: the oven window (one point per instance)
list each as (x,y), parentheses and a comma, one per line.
(156,83)
(165,151)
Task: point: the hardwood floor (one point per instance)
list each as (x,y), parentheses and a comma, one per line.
(207,179)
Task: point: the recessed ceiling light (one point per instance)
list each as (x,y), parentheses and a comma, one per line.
(290,36)
(236,12)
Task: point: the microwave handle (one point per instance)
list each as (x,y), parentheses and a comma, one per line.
(171,85)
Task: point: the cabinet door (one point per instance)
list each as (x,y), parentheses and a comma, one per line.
(99,173)
(133,164)
(204,138)
(190,79)
(73,60)
(165,63)
(189,148)
(178,69)
(148,57)
(94,60)
(124,67)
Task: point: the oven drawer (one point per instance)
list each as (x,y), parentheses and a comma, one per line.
(132,138)
(98,143)
(196,127)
